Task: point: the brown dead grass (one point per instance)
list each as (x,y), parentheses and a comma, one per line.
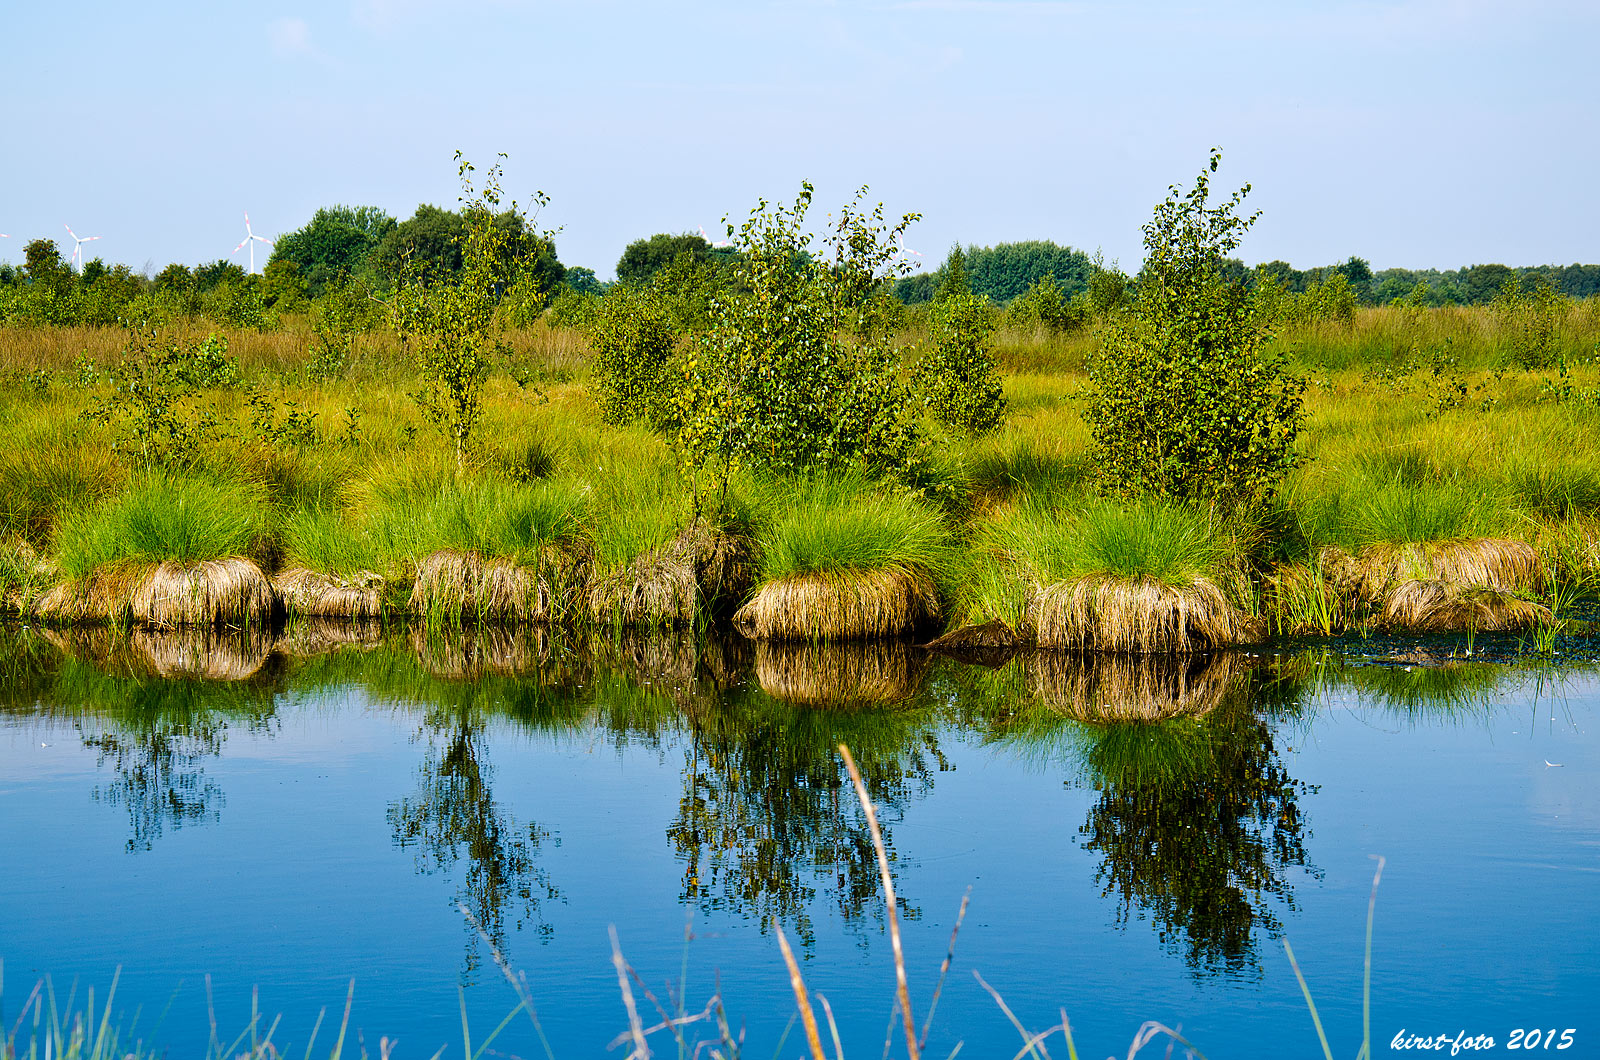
(222,592)
(1111,689)
(1502,564)
(813,674)
(1438,606)
(454,586)
(694,574)
(845,605)
(311,593)
(106,595)
(1144,616)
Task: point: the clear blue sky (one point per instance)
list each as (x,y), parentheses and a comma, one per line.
(1417,133)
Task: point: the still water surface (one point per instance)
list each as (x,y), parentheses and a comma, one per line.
(286,817)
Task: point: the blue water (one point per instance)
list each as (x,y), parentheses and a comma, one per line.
(323,819)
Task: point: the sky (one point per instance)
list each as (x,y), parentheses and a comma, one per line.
(1414,133)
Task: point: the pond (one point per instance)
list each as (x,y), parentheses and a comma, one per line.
(240,820)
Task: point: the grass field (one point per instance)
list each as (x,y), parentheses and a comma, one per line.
(1422,426)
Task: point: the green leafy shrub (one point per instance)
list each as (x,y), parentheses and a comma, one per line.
(798,373)
(632,337)
(1043,305)
(1531,314)
(1183,399)
(450,319)
(958,379)
(151,408)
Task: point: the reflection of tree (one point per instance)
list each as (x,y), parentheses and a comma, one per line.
(158,775)
(767,819)
(154,707)
(1197,826)
(454,816)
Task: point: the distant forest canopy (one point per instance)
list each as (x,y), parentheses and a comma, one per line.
(1004,271)
(367,246)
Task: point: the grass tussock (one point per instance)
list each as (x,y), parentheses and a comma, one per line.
(224,592)
(672,586)
(162,518)
(1500,564)
(308,593)
(454,586)
(1104,613)
(832,675)
(842,605)
(1438,606)
(1115,689)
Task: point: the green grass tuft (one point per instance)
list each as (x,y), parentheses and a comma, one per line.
(845,522)
(162,517)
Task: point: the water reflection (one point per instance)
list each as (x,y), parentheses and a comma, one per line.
(1195,823)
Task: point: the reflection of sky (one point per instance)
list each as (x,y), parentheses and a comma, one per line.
(1484,920)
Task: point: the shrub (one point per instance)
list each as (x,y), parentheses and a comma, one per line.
(1183,399)
(958,378)
(1532,315)
(1043,305)
(632,336)
(798,373)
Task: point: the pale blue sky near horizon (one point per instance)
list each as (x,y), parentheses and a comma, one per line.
(1417,133)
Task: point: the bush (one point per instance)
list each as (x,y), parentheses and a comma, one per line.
(632,337)
(1043,305)
(958,379)
(798,373)
(1532,314)
(1183,400)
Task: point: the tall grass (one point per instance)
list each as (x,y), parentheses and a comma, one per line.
(162,516)
(842,523)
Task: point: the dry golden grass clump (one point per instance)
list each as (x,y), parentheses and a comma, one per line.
(1109,689)
(1502,564)
(670,586)
(813,674)
(1103,612)
(311,593)
(1435,605)
(842,605)
(221,592)
(452,586)
(105,595)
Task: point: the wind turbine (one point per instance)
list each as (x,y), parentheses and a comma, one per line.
(905,249)
(251,238)
(77,245)
(719,243)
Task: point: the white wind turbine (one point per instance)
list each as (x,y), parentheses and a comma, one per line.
(717,243)
(77,245)
(251,238)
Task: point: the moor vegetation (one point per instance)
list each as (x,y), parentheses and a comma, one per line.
(436,418)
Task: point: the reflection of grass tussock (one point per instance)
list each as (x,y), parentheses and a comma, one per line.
(473,651)
(842,605)
(1118,688)
(306,636)
(835,674)
(198,653)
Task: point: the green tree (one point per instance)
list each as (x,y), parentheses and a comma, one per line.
(798,373)
(425,246)
(1183,399)
(451,322)
(643,258)
(335,242)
